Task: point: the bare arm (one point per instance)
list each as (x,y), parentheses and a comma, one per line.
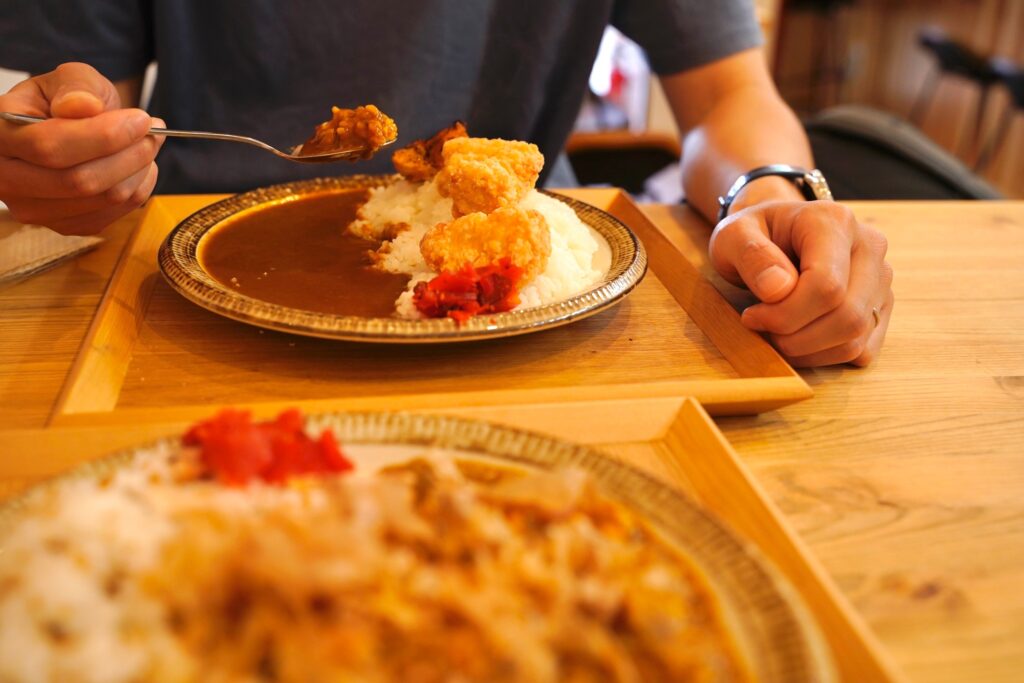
(733,120)
(821,276)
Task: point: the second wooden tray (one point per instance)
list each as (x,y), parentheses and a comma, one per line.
(672,439)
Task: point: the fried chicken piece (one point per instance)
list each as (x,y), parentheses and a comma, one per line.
(481,239)
(366,127)
(483,175)
(421,160)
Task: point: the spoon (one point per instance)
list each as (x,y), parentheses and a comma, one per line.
(295,154)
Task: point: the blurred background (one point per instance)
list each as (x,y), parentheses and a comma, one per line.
(902,99)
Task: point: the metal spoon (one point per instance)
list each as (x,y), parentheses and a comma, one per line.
(295,154)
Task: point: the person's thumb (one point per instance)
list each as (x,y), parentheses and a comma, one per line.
(77,91)
(742,253)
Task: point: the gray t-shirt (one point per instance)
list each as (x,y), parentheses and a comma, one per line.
(515,69)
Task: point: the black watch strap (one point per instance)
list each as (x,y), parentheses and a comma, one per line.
(811,184)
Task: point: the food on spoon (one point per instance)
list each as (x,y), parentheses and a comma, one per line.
(422,159)
(363,128)
(423,233)
(162,571)
(485,175)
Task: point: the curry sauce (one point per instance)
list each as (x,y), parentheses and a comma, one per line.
(299,254)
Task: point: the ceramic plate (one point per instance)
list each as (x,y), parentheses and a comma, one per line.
(764,617)
(181,267)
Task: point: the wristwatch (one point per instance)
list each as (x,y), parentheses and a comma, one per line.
(811,183)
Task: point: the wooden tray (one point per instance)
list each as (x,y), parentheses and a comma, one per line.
(674,336)
(671,438)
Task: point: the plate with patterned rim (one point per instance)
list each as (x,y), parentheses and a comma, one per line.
(765,620)
(179,262)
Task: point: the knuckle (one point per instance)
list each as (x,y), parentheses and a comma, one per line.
(876,241)
(729,230)
(67,68)
(43,150)
(782,324)
(143,152)
(114,137)
(119,194)
(139,197)
(856,322)
(145,188)
(887,274)
(75,70)
(840,212)
(838,215)
(852,350)
(831,289)
(82,182)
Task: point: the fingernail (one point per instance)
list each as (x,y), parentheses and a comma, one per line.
(771,282)
(77,94)
(157,123)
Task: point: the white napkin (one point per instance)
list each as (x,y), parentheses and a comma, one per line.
(28,249)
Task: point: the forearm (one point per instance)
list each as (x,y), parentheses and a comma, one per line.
(734,123)
(731,142)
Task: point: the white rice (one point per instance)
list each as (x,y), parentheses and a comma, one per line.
(89,536)
(71,545)
(417,206)
(580,257)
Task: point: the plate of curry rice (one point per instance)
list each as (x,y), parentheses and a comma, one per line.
(282,258)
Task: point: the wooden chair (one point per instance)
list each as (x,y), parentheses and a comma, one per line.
(955,59)
(1011,75)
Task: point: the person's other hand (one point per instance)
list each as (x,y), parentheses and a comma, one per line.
(834,307)
(85,167)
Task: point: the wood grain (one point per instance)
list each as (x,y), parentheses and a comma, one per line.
(907,478)
(43,320)
(854,646)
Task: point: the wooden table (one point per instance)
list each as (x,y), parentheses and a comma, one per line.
(906,478)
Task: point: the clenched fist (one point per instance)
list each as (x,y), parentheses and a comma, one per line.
(834,306)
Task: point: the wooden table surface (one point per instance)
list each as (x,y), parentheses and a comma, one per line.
(905,478)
